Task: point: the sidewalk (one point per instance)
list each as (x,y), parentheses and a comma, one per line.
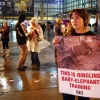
(30,84)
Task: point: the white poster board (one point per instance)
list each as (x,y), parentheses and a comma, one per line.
(78,59)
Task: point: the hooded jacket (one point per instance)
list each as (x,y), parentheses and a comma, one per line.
(20,34)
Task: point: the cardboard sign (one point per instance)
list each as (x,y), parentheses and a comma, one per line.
(78,59)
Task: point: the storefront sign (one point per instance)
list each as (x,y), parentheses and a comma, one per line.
(14,7)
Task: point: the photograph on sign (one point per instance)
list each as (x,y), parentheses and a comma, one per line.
(79,52)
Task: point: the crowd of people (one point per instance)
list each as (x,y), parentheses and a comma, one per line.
(28,38)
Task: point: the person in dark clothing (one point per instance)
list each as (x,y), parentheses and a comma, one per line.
(77,26)
(43,27)
(59,30)
(59,27)
(21,40)
(48,27)
(95,27)
(5,39)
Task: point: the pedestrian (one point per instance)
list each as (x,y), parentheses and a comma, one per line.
(66,22)
(77,26)
(59,30)
(48,27)
(59,27)
(43,26)
(35,35)
(5,39)
(21,40)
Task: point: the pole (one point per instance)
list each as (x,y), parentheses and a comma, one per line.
(2,10)
(33,7)
(99,18)
(42,11)
(47,9)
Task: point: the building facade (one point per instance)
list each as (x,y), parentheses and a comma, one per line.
(46,9)
(90,5)
(43,9)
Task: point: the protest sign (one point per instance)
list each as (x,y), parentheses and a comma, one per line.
(78,59)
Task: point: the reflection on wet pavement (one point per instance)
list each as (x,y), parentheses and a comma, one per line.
(30,79)
(31,84)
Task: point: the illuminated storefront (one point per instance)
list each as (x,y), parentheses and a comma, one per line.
(14,7)
(43,9)
(46,9)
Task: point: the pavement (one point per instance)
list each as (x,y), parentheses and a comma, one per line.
(31,84)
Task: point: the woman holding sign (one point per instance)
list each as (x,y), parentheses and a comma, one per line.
(77,26)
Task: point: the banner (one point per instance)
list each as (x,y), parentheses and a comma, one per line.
(15,7)
(78,59)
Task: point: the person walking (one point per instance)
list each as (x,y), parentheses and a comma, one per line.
(59,30)
(48,28)
(59,27)
(21,35)
(5,39)
(35,35)
(43,26)
(77,27)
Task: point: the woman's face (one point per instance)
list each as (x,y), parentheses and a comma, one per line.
(33,24)
(77,22)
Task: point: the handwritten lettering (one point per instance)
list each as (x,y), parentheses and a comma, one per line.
(84,87)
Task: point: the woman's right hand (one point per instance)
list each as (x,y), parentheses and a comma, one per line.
(57,40)
(1,30)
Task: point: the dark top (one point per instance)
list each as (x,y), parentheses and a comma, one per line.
(5,35)
(86,33)
(21,39)
(57,30)
(43,26)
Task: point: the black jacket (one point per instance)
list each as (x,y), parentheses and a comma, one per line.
(5,35)
(20,35)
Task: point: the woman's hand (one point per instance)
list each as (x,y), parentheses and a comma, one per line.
(2,29)
(57,40)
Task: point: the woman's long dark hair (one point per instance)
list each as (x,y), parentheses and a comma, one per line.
(83,14)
